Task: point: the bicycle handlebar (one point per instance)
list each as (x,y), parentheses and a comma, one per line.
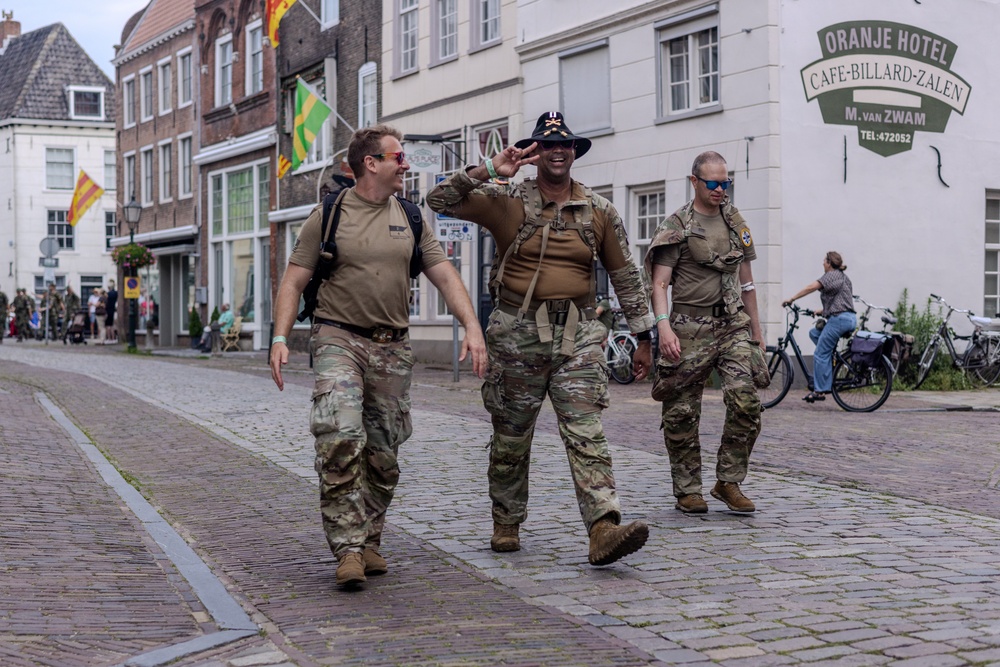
(951,308)
(872,306)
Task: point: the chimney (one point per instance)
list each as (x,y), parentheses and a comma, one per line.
(9,29)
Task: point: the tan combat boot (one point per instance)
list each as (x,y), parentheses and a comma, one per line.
(505,537)
(609,542)
(374,563)
(729,493)
(351,570)
(692,503)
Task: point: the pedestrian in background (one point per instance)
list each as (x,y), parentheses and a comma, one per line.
(360,344)
(111,331)
(4,314)
(543,337)
(71,304)
(52,309)
(23,306)
(100,314)
(704,250)
(92,300)
(836,293)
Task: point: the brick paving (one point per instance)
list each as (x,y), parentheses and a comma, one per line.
(895,563)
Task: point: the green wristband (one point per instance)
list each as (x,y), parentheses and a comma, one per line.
(491,169)
(660,318)
(279,339)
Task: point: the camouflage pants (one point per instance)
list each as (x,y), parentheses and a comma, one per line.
(707,343)
(22,324)
(522,372)
(360,416)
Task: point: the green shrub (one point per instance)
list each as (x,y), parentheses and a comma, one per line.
(194,323)
(922,324)
(215,315)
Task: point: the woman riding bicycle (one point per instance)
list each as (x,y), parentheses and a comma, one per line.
(837,295)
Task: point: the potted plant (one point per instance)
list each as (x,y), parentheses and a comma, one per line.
(132,256)
(195,327)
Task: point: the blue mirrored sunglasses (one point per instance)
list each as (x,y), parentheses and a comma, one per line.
(711,185)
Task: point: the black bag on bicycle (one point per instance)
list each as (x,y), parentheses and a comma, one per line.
(866,350)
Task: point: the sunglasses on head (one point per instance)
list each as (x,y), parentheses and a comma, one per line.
(568,144)
(711,185)
(399,156)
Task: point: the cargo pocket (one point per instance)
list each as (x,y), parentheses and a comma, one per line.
(493,392)
(403,426)
(758,366)
(323,415)
(667,379)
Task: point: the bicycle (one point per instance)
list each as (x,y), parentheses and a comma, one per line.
(981,358)
(862,381)
(618,351)
(897,346)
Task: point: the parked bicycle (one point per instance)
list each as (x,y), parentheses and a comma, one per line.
(618,350)
(980,360)
(862,376)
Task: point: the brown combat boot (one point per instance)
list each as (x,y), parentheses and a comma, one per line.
(729,493)
(374,563)
(609,542)
(351,570)
(692,503)
(505,537)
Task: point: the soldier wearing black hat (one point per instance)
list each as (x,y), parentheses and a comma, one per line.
(544,338)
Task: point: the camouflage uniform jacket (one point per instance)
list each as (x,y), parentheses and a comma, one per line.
(468,199)
(680,227)
(72,304)
(4,307)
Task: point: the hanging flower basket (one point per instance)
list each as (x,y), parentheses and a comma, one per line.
(133,255)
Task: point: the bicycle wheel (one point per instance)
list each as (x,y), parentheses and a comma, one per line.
(861,387)
(927,360)
(620,359)
(781,377)
(977,362)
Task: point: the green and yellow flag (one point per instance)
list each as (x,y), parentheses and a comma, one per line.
(310,114)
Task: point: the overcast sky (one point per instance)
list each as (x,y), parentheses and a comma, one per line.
(97,26)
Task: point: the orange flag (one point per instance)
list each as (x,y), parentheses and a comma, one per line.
(275,10)
(84,195)
(283,166)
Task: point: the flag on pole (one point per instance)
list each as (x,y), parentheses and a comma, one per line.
(275,10)
(283,166)
(310,114)
(84,195)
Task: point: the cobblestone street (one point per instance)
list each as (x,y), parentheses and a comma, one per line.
(876,541)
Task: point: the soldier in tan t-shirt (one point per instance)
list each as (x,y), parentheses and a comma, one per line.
(361,347)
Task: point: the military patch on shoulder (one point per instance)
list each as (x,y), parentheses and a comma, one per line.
(745,237)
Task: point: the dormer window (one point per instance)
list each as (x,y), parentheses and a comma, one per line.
(86,103)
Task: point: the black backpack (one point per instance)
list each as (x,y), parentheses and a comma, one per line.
(328,247)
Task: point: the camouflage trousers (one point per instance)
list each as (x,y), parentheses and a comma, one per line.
(360,416)
(707,343)
(522,372)
(22,324)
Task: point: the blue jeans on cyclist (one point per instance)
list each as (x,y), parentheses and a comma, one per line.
(826,342)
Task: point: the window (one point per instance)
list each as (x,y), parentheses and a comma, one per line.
(184,167)
(59,169)
(85,103)
(110,175)
(689,66)
(485,23)
(650,209)
(255,57)
(263,195)
(128,177)
(445,30)
(991,282)
(367,95)
(166,171)
(146,175)
(128,101)
(166,86)
(239,193)
(330,13)
(184,79)
(490,142)
(40,285)
(61,230)
(110,228)
(585,87)
(408,34)
(224,71)
(146,95)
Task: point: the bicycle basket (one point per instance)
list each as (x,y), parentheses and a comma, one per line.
(867,349)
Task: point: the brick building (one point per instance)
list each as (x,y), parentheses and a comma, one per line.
(236,159)
(156,121)
(338,56)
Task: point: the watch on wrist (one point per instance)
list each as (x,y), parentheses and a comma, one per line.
(644,335)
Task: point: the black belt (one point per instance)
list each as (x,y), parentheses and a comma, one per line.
(377,334)
(558,310)
(715,310)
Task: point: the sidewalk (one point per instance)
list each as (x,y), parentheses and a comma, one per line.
(822,574)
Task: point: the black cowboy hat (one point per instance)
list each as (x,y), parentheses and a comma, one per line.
(551,126)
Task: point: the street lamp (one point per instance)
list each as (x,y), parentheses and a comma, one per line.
(133,211)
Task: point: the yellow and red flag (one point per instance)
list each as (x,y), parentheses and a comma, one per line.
(84,195)
(283,166)
(275,10)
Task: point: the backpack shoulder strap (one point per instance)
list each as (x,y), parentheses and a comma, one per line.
(416,221)
(328,232)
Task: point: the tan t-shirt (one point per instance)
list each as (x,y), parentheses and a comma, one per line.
(370,282)
(695,284)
